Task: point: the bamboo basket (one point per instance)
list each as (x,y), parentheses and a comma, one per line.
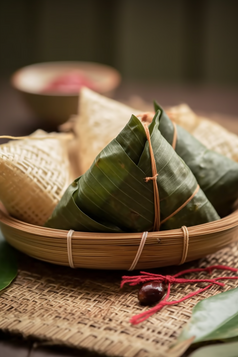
(121,250)
(118,250)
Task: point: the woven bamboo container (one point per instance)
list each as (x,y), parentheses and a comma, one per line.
(126,251)
(118,250)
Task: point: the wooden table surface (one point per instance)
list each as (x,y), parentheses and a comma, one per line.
(219,103)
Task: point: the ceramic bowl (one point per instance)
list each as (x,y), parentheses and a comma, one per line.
(51,89)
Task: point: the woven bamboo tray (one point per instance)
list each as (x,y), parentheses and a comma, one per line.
(118,250)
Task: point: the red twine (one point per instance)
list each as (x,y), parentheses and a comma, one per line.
(174,279)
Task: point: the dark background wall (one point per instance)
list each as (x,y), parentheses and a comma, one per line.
(168,41)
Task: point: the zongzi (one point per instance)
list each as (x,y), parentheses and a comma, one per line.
(34,174)
(99,121)
(216,174)
(117,193)
(211,134)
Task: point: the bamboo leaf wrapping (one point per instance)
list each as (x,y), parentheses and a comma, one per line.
(113,196)
(216,174)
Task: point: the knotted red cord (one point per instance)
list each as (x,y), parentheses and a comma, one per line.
(173,279)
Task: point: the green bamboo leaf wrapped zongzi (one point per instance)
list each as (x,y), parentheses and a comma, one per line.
(216,174)
(115,196)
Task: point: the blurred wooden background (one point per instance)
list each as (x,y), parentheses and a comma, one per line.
(167,41)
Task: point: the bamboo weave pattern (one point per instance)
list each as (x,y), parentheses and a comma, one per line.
(33,176)
(87,308)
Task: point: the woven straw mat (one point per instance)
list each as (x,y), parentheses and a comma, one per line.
(87,309)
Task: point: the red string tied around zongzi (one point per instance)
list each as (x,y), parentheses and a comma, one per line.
(174,279)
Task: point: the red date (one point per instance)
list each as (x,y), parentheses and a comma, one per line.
(151,292)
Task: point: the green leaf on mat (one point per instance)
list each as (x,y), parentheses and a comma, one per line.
(218,350)
(214,318)
(8,263)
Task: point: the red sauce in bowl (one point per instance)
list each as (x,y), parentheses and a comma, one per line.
(70,82)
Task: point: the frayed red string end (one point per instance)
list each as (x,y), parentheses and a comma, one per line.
(174,279)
